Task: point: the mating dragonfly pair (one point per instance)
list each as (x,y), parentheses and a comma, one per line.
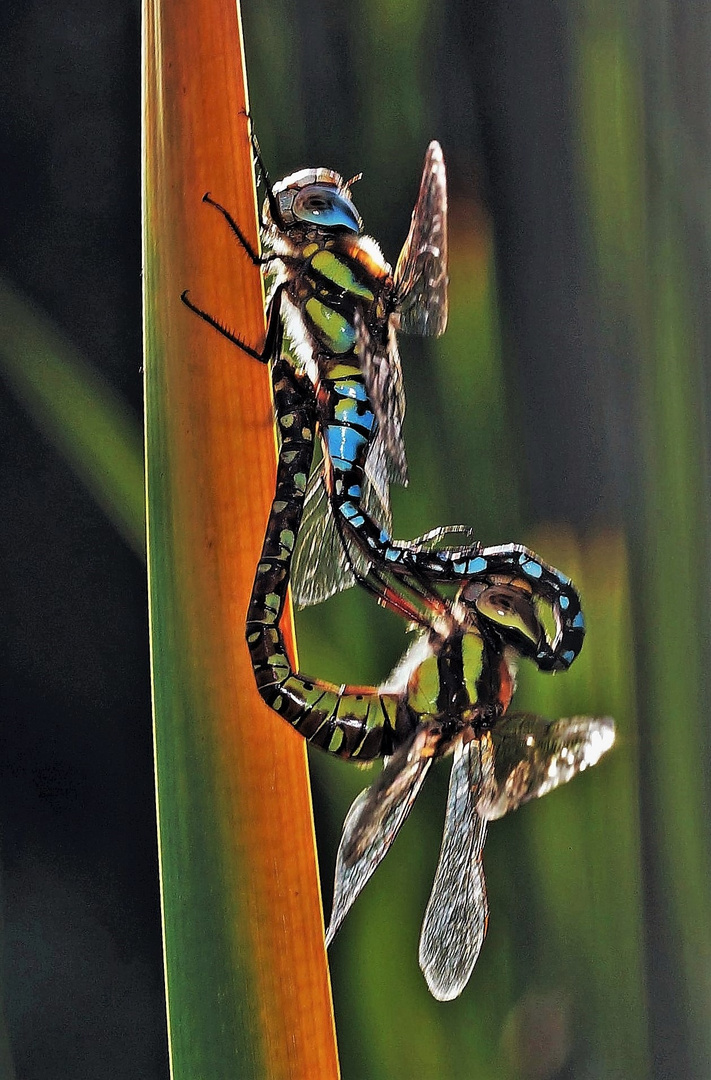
(333,311)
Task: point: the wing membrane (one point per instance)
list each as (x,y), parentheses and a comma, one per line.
(531,756)
(376,491)
(321,565)
(421,273)
(374,820)
(382,372)
(452,537)
(457,913)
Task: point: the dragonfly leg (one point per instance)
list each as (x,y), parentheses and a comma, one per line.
(378,548)
(272,338)
(263,175)
(377,584)
(257,260)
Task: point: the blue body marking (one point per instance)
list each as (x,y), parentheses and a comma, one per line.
(344,442)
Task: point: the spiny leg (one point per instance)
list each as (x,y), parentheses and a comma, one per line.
(257,260)
(263,176)
(376,583)
(273,336)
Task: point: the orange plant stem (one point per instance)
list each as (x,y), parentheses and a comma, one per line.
(247,981)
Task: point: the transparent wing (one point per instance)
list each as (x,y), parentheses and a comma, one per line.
(376,491)
(421,290)
(322,566)
(383,381)
(452,537)
(457,913)
(421,272)
(374,820)
(531,756)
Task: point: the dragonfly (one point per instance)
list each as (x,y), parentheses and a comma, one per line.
(449,695)
(340,305)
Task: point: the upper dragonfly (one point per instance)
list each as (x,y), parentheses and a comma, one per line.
(449,694)
(341,305)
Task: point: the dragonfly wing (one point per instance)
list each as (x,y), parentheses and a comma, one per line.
(457,913)
(376,490)
(374,820)
(382,372)
(452,537)
(421,273)
(531,756)
(321,564)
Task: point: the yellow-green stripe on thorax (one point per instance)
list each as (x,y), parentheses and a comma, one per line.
(334,331)
(332,282)
(424,686)
(340,273)
(472,663)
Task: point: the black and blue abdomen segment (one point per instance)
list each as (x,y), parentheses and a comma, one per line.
(351,722)
(347,439)
(349,427)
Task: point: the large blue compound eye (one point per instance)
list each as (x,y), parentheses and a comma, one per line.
(324,206)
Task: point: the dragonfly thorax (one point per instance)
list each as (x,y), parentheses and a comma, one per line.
(463,680)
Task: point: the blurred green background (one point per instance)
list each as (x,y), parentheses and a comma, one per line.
(566,407)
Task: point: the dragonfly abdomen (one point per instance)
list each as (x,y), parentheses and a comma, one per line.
(362,723)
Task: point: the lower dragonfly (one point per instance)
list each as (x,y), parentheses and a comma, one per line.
(449,694)
(341,306)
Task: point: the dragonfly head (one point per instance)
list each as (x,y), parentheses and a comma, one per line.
(315,197)
(506,610)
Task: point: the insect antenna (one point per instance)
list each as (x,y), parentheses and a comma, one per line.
(263,175)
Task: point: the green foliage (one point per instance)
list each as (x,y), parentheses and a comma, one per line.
(566,879)
(562,976)
(76,410)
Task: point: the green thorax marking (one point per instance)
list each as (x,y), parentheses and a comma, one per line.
(424,688)
(336,331)
(333,269)
(473,663)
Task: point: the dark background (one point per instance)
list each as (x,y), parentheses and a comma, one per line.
(577,145)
